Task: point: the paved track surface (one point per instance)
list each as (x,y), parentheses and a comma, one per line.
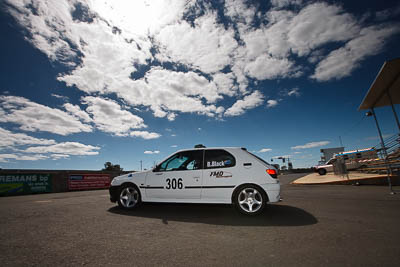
(313,226)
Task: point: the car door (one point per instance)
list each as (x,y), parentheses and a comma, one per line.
(219,176)
(178,177)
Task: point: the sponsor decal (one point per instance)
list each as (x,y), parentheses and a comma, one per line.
(221,174)
(14,184)
(76,177)
(88,181)
(215,164)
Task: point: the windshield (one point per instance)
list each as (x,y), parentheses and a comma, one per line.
(329,162)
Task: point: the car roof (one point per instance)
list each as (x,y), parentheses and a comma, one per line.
(210,148)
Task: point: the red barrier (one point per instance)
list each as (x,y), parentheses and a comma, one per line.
(88,181)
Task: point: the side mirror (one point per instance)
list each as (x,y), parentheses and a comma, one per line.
(156,168)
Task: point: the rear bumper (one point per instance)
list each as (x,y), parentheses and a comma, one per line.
(114,191)
(273,191)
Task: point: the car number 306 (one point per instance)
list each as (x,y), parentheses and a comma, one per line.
(174,183)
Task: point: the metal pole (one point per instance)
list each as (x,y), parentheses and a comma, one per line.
(394,111)
(389,170)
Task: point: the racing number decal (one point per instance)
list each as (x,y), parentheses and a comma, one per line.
(174,183)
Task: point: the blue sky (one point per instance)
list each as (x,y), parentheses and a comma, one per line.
(85,82)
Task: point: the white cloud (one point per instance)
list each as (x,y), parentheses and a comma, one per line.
(152,152)
(109,117)
(9,139)
(106,43)
(36,117)
(171,116)
(239,11)
(108,58)
(76,111)
(284,3)
(182,86)
(139,18)
(294,91)
(311,145)
(272,103)
(264,150)
(30,148)
(64,98)
(59,156)
(7,157)
(248,102)
(70,148)
(267,67)
(225,83)
(174,146)
(320,23)
(213,47)
(145,134)
(343,61)
(46,23)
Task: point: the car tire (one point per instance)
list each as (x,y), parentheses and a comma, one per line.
(129,197)
(249,200)
(322,171)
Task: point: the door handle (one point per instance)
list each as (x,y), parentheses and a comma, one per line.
(197,177)
(159,173)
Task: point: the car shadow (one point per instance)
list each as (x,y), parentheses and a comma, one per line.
(273,215)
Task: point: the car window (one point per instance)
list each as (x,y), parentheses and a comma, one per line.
(182,161)
(260,159)
(218,158)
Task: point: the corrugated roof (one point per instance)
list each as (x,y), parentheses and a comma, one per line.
(387,80)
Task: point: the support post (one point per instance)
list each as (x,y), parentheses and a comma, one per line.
(394,111)
(389,170)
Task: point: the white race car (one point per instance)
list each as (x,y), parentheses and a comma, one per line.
(202,175)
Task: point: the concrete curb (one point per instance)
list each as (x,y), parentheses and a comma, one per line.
(354,179)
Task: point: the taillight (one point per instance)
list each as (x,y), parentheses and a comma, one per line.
(273,173)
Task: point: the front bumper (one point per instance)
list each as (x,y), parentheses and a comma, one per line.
(114,191)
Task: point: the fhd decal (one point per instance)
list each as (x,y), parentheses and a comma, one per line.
(221,174)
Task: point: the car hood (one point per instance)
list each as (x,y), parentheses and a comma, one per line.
(131,177)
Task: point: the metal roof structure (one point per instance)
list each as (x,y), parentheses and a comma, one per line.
(385,90)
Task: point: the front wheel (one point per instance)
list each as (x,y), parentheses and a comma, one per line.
(250,200)
(321,171)
(129,197)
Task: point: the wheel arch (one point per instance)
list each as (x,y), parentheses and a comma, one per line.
(247,184)
(132,183)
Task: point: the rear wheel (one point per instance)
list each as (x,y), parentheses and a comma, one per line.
(322,171)
(250,200)
(129,197)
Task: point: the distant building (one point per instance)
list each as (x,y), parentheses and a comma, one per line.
(328,153)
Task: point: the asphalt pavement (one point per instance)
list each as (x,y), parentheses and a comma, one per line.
(318,225)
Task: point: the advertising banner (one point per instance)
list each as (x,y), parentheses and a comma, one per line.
(88,181)
(16,184)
